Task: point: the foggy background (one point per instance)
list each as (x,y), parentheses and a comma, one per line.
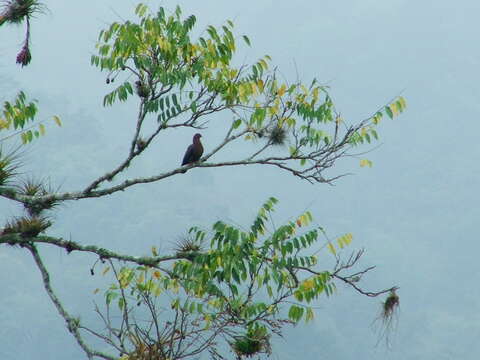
(415,212)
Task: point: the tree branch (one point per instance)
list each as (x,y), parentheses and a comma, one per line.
(69,246)
(72,323)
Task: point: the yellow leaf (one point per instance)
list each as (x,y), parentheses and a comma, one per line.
(57,120)
(345,240)
(394,108)
(365,162)
(241,91)
(298,295)
(175,287)
(348,238)
(260,85)
(331,248)
(4,124)
(310,315)
(157,275)
(96,290)
(42,129)
(105,270)
(141,278)
(273,110)
(402,101)
(282,90)
(308,284)
(264,64)
(154,251)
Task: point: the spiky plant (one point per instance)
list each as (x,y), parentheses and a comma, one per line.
(390,305)
(29,226)
(187,247)
(386,318)
(252,343)
(146,352)
(142,89)
(9,164)
(16,11)
(277,135)
(33,187)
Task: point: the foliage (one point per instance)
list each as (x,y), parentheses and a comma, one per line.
(222,289)
(178,76)
(246,286)
(18,114)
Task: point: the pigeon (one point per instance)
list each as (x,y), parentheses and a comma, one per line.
(194,151)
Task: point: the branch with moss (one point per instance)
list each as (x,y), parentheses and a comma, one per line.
(71,322)
(24,240)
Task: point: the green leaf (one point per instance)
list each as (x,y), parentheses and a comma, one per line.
(110,296)
(246,39)
(121,303)
(193,107)
(237,123)
(389,112)
(366,162)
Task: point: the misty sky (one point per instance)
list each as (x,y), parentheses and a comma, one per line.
(415,211)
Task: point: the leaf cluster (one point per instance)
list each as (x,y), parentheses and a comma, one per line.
(242,282)
(18,114)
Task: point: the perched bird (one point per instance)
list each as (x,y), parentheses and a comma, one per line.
(194,151)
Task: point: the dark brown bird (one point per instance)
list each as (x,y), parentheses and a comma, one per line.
(194,151)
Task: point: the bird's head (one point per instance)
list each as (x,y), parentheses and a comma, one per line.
(197,137)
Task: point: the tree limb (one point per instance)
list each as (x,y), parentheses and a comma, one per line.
(72,323)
